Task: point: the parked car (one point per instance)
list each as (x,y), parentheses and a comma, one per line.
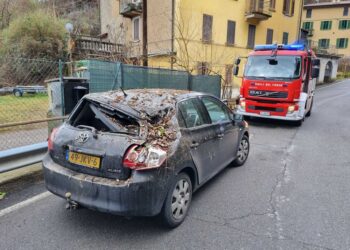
(143,152)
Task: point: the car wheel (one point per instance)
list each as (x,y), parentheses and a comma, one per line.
(178,201)
(243,152)
(18,93)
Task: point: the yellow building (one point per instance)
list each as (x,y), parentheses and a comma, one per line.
(201,36)
(328,22)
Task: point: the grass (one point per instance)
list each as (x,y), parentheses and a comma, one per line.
(26,108)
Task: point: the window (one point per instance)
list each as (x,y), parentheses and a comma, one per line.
(323,43)
(285,38)
(272,4)
(231,30)
(288,7)
(326,25)
(136,28)
(342,43)
(308,13)
(346,11)
(344,24)
(203,68)
(251,36)
(207,28)
(308,25)
(215,110)
(191,113)
(269,36)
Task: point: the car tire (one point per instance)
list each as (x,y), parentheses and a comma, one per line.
(243,152)
(298,123)
(178,201)
(308,114)
(18,93)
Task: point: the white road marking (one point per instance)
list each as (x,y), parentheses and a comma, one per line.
(24,203)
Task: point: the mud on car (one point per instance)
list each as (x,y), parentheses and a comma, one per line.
(143,152)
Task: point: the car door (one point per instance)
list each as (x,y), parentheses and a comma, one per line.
(226,131)
(199,136)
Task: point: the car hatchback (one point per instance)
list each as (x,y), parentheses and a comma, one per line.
(143,152)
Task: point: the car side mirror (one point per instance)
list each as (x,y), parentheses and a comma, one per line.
(235,71)
(315,72)
(238,61)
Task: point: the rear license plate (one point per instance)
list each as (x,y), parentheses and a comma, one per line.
(265,113)
(84,160)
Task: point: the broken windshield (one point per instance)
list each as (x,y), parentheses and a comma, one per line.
(268,67)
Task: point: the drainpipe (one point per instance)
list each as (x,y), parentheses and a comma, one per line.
(144,34)
(172,33)
(300,17)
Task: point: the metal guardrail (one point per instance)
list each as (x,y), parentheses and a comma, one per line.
(21,157)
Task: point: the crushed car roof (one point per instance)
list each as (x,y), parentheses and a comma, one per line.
(149,101)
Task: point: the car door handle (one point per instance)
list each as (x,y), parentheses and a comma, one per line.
(220,136)
(194,144)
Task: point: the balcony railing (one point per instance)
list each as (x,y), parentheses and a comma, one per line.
(325,2)
(90,47)
(325,50)
(130,8)
(257,10)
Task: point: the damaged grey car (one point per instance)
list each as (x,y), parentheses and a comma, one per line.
(143,152)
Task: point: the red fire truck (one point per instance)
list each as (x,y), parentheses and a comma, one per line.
(278,82)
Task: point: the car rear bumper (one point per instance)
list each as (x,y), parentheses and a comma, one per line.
(141,195)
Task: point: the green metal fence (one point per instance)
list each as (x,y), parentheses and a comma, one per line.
(105,76)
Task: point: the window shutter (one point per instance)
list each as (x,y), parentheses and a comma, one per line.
(346,42)
(207,28)
(231,30)
(269,36)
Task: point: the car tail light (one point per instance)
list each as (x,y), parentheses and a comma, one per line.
(51,139)
(141,158)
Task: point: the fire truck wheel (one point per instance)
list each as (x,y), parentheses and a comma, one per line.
(298,123)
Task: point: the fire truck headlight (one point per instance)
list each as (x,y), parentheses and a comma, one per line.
(242,103)
(291,109)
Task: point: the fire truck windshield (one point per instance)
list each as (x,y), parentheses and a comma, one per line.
(278,67)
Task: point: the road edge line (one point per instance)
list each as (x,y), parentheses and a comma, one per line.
(24,203)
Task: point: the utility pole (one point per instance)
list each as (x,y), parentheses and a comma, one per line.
(144,34)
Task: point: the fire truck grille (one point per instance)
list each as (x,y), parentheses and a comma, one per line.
(268,94)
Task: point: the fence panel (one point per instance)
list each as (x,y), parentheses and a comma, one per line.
(207,84)
(104,76)
(24,100)
(143,77)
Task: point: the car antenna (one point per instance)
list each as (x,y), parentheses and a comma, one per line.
(125,94)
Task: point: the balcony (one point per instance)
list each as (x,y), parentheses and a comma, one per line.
(324,3)
(310,33)
(86,47)
(130,8)
(257,10)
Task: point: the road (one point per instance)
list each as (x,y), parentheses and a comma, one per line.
(293,193)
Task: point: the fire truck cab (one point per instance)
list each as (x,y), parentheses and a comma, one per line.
(278,82)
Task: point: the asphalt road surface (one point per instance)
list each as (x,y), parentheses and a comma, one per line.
(293,193)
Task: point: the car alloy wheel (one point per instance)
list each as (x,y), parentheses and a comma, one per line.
(180,199)
(243,152)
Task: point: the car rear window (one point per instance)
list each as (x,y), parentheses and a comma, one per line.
(103,118)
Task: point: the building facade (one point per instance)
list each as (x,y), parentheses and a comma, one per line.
(328,23)
(200,36)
